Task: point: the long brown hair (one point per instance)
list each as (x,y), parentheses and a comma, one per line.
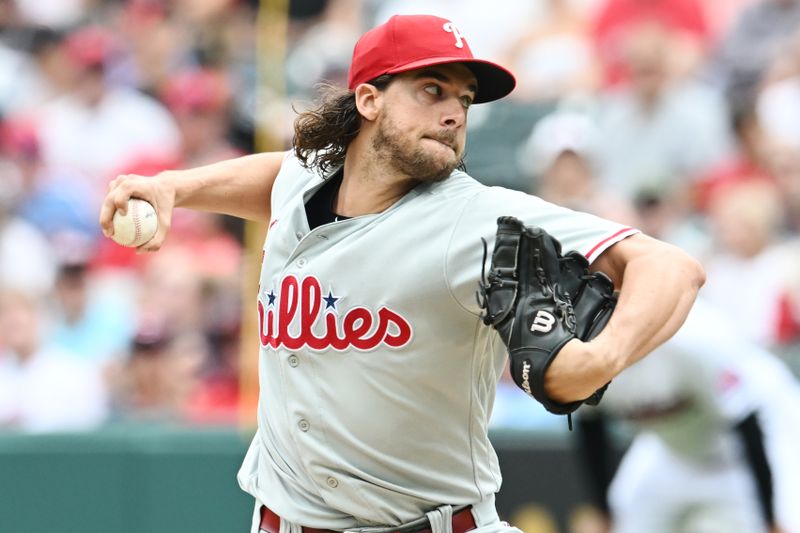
(322,134)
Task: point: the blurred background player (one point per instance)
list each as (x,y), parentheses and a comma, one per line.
(715,420)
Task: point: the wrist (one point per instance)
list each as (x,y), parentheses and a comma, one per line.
(577,372)
(172,184)
(606,354)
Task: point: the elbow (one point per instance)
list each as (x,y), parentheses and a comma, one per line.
(696,273)
(692,272)
(691,275)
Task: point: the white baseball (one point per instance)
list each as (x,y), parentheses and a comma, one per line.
(137,226)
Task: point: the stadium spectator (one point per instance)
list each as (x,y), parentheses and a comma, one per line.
(322,45)
(85,318)
(784,164)
(27,261)
(562,155)
(156,46)
(51,13)
(554,59)
(157,376)
(617,20)
(34,69)
(116,124)
(749,161)
(199,99)
(42,388)
(678,127)
(721,16)
(51,199)
(745,53)
(750,260)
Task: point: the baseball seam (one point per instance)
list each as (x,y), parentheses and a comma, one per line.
(137,224)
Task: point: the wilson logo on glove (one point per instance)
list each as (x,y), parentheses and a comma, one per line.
(543,322)
(526,384)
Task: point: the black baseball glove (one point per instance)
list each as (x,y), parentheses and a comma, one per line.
(538,300)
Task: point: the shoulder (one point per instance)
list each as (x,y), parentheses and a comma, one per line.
(462,185)
(458,183)
(461,193)
(293,169)
(292,178)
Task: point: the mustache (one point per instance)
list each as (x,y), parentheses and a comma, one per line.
(447,137)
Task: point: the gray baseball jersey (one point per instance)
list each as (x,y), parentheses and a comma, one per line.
(377,375)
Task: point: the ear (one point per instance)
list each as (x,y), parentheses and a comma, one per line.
(368,101)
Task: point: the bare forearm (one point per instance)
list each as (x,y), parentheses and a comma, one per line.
(238,187)
(656,295)
(657,291)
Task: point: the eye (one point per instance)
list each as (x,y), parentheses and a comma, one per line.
(433,89)
(466,101)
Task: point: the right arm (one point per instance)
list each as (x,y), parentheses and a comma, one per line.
(240,187)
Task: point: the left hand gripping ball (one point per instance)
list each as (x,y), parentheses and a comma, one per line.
(137,226)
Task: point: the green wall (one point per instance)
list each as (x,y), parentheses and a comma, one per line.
(172,480)
(142,480)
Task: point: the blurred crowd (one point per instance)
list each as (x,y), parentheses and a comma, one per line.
(680,117)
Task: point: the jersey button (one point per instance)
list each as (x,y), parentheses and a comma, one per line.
(301,262)
(298,235)
(303,425)
(293,361)
(332,482)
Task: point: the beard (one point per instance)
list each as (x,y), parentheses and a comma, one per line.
(414,161)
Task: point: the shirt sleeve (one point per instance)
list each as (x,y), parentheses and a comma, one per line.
(290,176)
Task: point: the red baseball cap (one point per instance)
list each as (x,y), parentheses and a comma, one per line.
(90,46)
(408,42)
(196,90)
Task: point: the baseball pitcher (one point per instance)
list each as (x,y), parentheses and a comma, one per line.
(378,364)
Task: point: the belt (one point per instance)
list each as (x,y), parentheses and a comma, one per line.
(462,522)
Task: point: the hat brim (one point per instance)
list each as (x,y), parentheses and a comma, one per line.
(494,82)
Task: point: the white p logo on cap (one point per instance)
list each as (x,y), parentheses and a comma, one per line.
(452,28)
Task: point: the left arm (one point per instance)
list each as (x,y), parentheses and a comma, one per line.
(658,284)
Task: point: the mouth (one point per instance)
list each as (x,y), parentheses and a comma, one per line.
(445,142)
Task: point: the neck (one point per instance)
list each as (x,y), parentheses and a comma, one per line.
(368,185)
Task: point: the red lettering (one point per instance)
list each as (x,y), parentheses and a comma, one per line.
(265,339)
(300,303)
(310,307)
(403,335)
(357,322)
(332,334)
(287,308)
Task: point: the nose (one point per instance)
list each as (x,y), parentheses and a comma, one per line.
(454,114)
